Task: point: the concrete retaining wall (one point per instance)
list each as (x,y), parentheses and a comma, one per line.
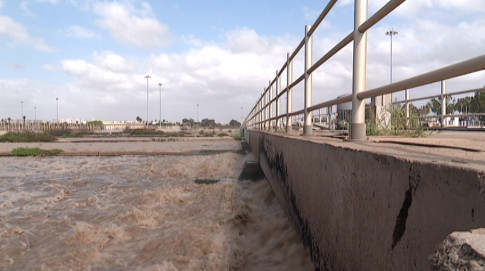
(364,211)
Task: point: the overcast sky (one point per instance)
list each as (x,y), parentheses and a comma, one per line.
(94,55)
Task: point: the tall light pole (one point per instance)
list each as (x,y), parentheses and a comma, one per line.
(147,77)
(391,33)
(57,101)
(197,112)
(160,118)
(22,116)
(35,114)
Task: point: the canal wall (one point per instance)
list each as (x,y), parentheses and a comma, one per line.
(359,210)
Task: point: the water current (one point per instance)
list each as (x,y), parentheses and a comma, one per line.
(141,213)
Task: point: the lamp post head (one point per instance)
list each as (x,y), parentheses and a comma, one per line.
(160,84)
(148,76)
(391,32)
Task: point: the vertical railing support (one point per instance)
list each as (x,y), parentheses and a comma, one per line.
(307,126)
(270,105)
(278,88)
(265,115)
(443,103)
(289,92)
(358,127)
(406,92)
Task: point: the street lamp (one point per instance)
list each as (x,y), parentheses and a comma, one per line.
(147,77)
(57,101)
(391,33)
(35,114)
(22,116)
(197,112)
(160,118)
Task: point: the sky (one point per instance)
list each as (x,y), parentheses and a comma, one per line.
(94,55)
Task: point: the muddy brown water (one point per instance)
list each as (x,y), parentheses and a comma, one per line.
(141,213)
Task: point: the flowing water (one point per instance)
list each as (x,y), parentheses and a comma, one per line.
(141,213)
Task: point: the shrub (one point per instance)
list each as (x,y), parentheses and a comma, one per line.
(34,152)
(27,137)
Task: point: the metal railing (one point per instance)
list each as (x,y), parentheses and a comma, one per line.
(265,114)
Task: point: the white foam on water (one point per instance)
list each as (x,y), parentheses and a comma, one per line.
(141,213)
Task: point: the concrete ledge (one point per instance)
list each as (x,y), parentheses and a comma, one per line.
(363,210)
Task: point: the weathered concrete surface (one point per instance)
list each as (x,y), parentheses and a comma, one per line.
(460,251)
(372,206)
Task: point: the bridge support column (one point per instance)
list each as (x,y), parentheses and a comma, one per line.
(307,126)
(358,127)
(289,93)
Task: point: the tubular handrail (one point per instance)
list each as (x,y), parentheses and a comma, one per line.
(348,39)
(383,12)
(267,108)
(436,96)
(322,16)
(451,71)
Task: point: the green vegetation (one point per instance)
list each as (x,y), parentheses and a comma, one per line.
(393,123)
(73,135)
(27,137)
(35,152)
(237,137)
(149,132)
(207,133)
(222,134)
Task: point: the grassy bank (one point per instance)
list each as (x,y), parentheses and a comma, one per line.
(27,137)
(35,152)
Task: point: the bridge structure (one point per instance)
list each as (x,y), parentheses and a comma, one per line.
(367,203)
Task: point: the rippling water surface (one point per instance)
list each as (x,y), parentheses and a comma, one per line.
(141,213)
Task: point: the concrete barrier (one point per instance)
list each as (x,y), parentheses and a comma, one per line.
(358,210)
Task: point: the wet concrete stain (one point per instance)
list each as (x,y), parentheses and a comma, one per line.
(400,227)
(277,164)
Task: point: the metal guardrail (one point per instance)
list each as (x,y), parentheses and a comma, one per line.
(262,117)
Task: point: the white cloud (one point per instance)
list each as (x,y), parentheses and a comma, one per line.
(221,78)
(19,35)
(112,62)
(48,67)
(55,2)
(80,32)
(127,26)
(94,77)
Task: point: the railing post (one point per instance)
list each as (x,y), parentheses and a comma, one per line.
(270,107)
(289,92)
(307,126)
(358,127)
(443,103)
(407,107)
(261,113)
(265,106)
(278,87)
